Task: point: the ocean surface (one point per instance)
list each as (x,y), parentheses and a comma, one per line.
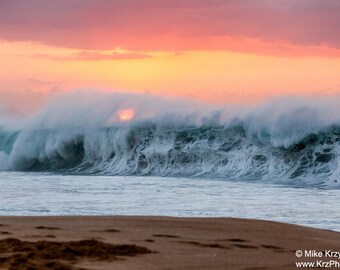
(277,161)
(23,193)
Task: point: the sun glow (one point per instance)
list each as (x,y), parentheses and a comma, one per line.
(125,115)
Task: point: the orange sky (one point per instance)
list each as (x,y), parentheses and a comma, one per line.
(217,51)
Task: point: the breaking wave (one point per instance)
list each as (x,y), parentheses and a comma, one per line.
(290,141)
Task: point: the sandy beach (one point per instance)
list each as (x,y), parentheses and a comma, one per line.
(155,243)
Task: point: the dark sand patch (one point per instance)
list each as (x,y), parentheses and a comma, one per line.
(47,228)
(271,247)
(149,240)
(43,255)
(3,233)
(111,230)
(245,246)
(166,235)
(210,245)
(108,230)
(238,240)
(41,236)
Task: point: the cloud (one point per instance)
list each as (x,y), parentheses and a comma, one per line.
(169,25)
(93,56)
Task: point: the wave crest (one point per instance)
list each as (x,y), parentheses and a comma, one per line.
(297,146)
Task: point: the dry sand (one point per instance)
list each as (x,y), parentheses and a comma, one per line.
(65,243)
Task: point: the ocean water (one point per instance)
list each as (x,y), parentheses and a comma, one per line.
(277,161)
(292,142)
(23,193)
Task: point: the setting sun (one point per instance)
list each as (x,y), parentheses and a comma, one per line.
(126,115)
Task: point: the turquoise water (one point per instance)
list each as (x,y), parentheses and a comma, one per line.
(51,194)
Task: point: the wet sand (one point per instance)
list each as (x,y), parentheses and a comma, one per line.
(65,243)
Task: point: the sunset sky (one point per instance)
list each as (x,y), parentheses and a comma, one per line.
(219,51)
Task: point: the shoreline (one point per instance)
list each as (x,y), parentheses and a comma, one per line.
(156,242)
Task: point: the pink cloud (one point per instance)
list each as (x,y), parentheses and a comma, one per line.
(168,25)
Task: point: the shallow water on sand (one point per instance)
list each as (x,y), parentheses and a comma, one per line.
(50,194)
